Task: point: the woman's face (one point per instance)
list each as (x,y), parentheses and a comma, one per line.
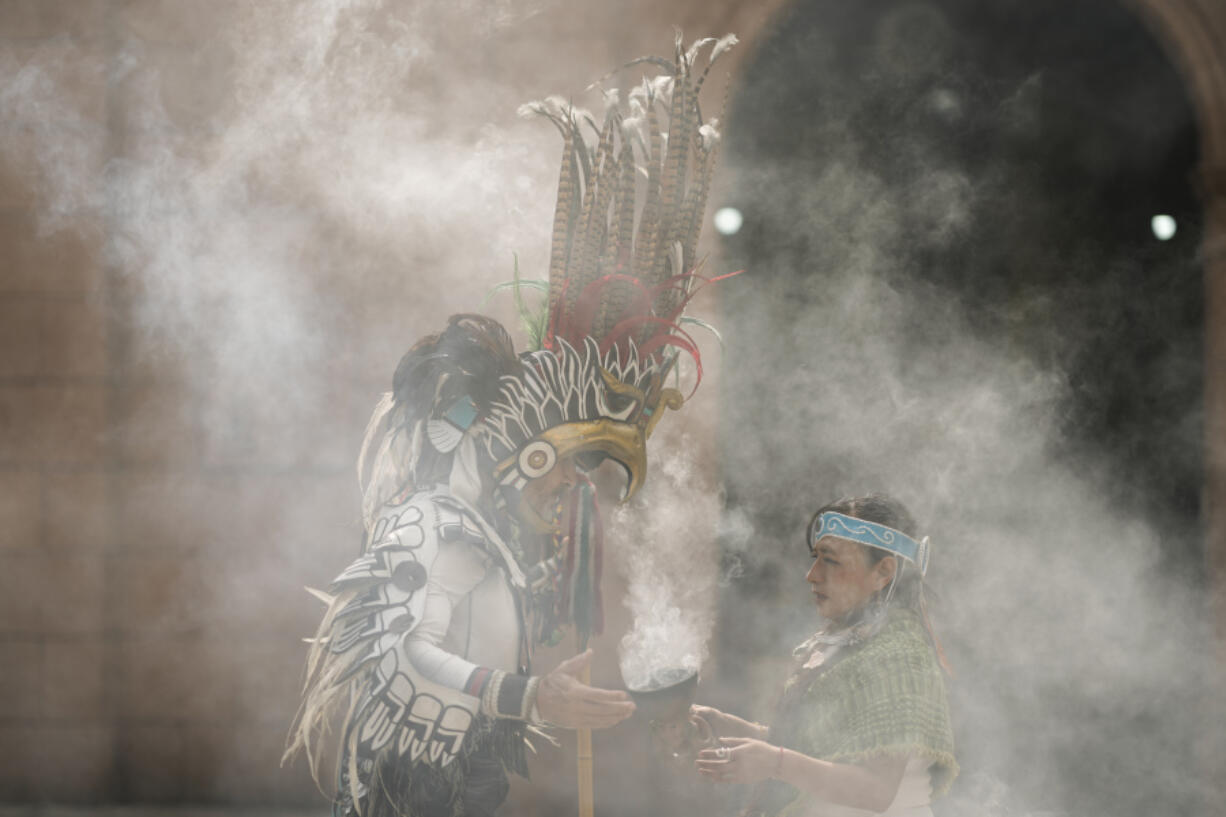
(841,578)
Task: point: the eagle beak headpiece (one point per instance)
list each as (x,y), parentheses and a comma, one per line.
(578,403)
(621,273)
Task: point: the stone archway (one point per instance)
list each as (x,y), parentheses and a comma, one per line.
(1192,31)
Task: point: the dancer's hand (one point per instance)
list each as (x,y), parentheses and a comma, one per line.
(739,760)
(724,725)
(564,700)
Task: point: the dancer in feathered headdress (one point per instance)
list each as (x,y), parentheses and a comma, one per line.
(482,532)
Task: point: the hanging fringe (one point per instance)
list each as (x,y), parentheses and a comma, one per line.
(587,607)
(580,552)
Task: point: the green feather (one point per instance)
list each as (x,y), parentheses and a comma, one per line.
(535,320)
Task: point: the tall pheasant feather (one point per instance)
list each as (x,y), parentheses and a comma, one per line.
(651,163)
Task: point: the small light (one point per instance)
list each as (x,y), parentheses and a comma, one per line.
(946,103)
(1163,227)
(728,220)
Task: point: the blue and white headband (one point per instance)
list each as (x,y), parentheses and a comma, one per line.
(833,523)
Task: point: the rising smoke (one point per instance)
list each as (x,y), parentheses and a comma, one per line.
(666,544)
(296,156)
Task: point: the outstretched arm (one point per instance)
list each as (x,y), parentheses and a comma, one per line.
(559,697)
(871,785)
(564,700)
(725,725)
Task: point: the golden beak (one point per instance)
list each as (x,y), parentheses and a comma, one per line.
(623,442)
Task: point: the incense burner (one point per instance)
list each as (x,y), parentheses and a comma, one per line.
(665,703)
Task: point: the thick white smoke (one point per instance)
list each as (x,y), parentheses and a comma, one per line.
(666,543)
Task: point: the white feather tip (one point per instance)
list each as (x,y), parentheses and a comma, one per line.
(725,42)
(529,110)
(697,46)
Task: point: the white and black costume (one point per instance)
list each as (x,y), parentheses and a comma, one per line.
(436,608)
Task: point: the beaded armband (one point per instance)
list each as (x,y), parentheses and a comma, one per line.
(504,694)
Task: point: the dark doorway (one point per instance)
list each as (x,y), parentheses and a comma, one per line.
(958,291)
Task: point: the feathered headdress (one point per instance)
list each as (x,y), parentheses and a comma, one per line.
(623,267)
(612,327)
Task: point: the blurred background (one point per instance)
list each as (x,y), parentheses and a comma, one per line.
(983,245)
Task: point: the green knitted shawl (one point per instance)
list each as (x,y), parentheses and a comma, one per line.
(883,696)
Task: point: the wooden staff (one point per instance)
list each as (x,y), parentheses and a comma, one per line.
(586,612)
(584,757)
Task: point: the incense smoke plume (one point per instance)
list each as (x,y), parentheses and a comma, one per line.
(666,544)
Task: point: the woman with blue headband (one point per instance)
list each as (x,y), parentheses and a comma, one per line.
(863,722)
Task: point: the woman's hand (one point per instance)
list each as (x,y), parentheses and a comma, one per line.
(739,760)
(564,700)
(722,724)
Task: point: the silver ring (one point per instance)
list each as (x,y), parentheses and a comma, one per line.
(722,753)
